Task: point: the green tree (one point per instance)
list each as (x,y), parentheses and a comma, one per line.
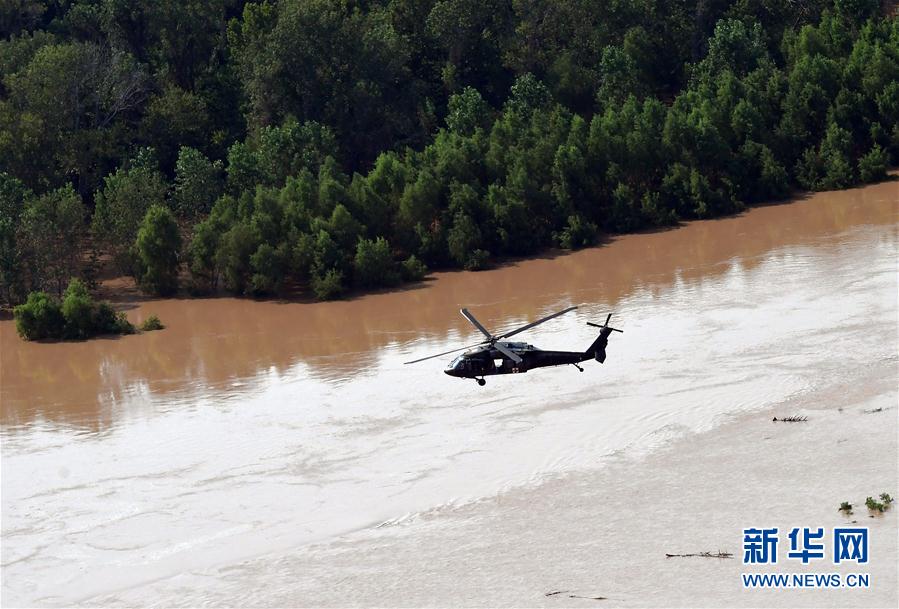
(198,183)
(467,111)
(175,118)
(51,235)
(464,242)
(373,266)
(122,204)
(13,195)
(64,110)
(157,247)
(872,166)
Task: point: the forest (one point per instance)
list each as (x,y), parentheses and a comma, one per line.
(316,147)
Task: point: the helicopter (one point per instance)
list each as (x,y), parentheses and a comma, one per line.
(494,355)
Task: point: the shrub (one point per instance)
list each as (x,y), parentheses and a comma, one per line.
(40,317)
(373,265)
(328,285)
(413,269)
(107,321)
(579,233)
(151,323)
(477,260)
(874,505)
(872,167)
(78,309)
(77,317)
(846,507)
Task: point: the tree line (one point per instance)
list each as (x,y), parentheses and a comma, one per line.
(327,145)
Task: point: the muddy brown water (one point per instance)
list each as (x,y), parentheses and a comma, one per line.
(247,428)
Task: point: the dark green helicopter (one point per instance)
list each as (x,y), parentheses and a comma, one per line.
(496,356)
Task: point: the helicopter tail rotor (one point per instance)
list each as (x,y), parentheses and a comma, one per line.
(598,349)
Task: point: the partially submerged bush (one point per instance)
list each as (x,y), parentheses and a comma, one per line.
(151,323)
(413,269)
(40,317)
(874,505)
(846,507)
(329,285)
(78,316)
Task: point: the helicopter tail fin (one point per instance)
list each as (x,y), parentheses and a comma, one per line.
(597,350)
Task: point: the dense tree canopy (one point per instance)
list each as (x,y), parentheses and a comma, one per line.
(329,144)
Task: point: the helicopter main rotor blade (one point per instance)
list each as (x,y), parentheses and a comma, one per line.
(415,361)
(535,323)
(508,353)
(467,314)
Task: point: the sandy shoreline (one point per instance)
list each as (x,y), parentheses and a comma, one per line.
(606,532)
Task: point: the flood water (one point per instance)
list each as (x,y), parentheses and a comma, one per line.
(249,428)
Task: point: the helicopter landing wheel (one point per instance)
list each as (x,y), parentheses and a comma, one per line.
(481,382)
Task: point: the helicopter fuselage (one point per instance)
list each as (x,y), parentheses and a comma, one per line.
(487,360)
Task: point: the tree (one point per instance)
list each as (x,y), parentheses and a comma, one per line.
(157,247)
(198,183)
(373,266)
(327,62)
(122,204)
(51,235)
(64,107)
(13,195)
(175,118)
(464,241)
(268,264)
(467,111)
(872,167)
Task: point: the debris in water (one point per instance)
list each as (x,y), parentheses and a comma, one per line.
(592,598)
(718,554)
(792,419)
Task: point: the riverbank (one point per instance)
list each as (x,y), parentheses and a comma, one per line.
(124,289)
(606,533)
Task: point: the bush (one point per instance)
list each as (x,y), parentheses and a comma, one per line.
(78,309)
(77,317)
(477,260)
(373,265)
(151,323)
(39,318)
(413,269)
(872,167)
(328,285)
(579,233)
(107,321)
